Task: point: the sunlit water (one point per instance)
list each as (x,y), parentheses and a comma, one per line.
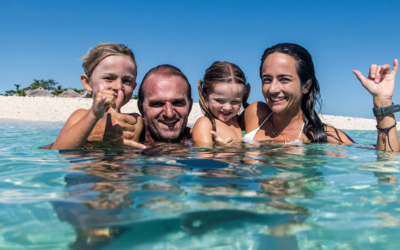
(256,197)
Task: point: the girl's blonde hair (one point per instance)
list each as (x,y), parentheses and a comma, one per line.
(96,54)
(220,72)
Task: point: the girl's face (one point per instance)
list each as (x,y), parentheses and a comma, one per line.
(225,101)
(115,73)
(281,85)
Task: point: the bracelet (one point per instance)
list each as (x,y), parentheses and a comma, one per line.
(387,132)
(386,110)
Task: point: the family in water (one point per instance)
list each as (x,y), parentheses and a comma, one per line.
(288,115)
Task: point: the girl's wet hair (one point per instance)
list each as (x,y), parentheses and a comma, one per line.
(314,129)
(220,72)
(96,54)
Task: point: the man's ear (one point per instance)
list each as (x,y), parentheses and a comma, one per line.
(86,83)
(306,87)
(140,107)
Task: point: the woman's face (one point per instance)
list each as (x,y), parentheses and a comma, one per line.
(115,73)
(281,85)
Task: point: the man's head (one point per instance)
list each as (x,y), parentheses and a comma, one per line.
(165,102)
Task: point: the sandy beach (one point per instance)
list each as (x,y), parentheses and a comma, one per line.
(59,109)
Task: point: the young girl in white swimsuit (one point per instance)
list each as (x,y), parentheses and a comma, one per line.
(222,92)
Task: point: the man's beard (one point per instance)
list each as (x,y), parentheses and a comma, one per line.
(156,135)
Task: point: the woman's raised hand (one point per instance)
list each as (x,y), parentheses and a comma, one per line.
(380,81)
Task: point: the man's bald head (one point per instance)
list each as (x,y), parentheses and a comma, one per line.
(165,103)
(164,70)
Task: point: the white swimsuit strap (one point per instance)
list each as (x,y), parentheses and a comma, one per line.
(301,131)
(264,121)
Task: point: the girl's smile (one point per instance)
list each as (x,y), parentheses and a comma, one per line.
(225,100)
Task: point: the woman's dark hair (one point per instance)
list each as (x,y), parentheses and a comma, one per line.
(314,129)
(220,72)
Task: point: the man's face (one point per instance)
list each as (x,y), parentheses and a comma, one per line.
(165,107)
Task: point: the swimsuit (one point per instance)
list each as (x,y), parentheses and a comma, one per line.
(250,136)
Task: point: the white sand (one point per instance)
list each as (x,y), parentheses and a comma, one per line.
(59,109)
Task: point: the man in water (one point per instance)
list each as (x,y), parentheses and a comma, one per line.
(165,102)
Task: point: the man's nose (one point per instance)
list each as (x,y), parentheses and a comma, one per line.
(169,110)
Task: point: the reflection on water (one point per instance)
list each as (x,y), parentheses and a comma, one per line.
(258,196)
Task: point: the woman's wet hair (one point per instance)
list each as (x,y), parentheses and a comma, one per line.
(314,129)
(220,72)
(96,54)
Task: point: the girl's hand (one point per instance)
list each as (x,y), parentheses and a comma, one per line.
(103,99)
(221,142)
(380,83)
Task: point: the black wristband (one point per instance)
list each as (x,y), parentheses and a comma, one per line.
(386,110)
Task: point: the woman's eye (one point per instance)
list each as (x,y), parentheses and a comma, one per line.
(266,80)
(285,80)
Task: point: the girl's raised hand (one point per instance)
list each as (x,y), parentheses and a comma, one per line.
(103,98)
(221,142)
(380,81)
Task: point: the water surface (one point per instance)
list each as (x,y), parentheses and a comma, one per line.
(314,196)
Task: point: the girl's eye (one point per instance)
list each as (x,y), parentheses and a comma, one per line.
(235,103)
(285,80)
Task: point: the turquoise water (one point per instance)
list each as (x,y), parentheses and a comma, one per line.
(256,197)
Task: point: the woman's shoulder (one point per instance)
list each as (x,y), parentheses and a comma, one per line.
(335,135)
(255,114)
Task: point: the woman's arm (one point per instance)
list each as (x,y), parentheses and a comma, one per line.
(380,84)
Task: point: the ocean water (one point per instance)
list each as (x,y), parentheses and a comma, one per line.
(177,197)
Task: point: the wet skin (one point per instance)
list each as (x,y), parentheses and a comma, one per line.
(165,108)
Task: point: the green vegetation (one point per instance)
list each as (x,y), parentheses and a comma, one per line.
(50,85)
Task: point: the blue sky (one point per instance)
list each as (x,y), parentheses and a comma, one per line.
(46,39)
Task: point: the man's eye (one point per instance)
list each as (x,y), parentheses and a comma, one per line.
(179,104)
(156,104)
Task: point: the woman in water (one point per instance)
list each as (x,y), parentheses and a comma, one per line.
(222,91)
(291,92)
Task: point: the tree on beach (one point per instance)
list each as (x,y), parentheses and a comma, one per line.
(48,85)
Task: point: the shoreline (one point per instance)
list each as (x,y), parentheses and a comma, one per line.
(53,109)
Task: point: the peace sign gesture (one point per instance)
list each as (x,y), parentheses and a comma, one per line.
(380,83)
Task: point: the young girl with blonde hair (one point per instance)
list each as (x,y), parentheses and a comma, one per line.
(222,92)
(110,74)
